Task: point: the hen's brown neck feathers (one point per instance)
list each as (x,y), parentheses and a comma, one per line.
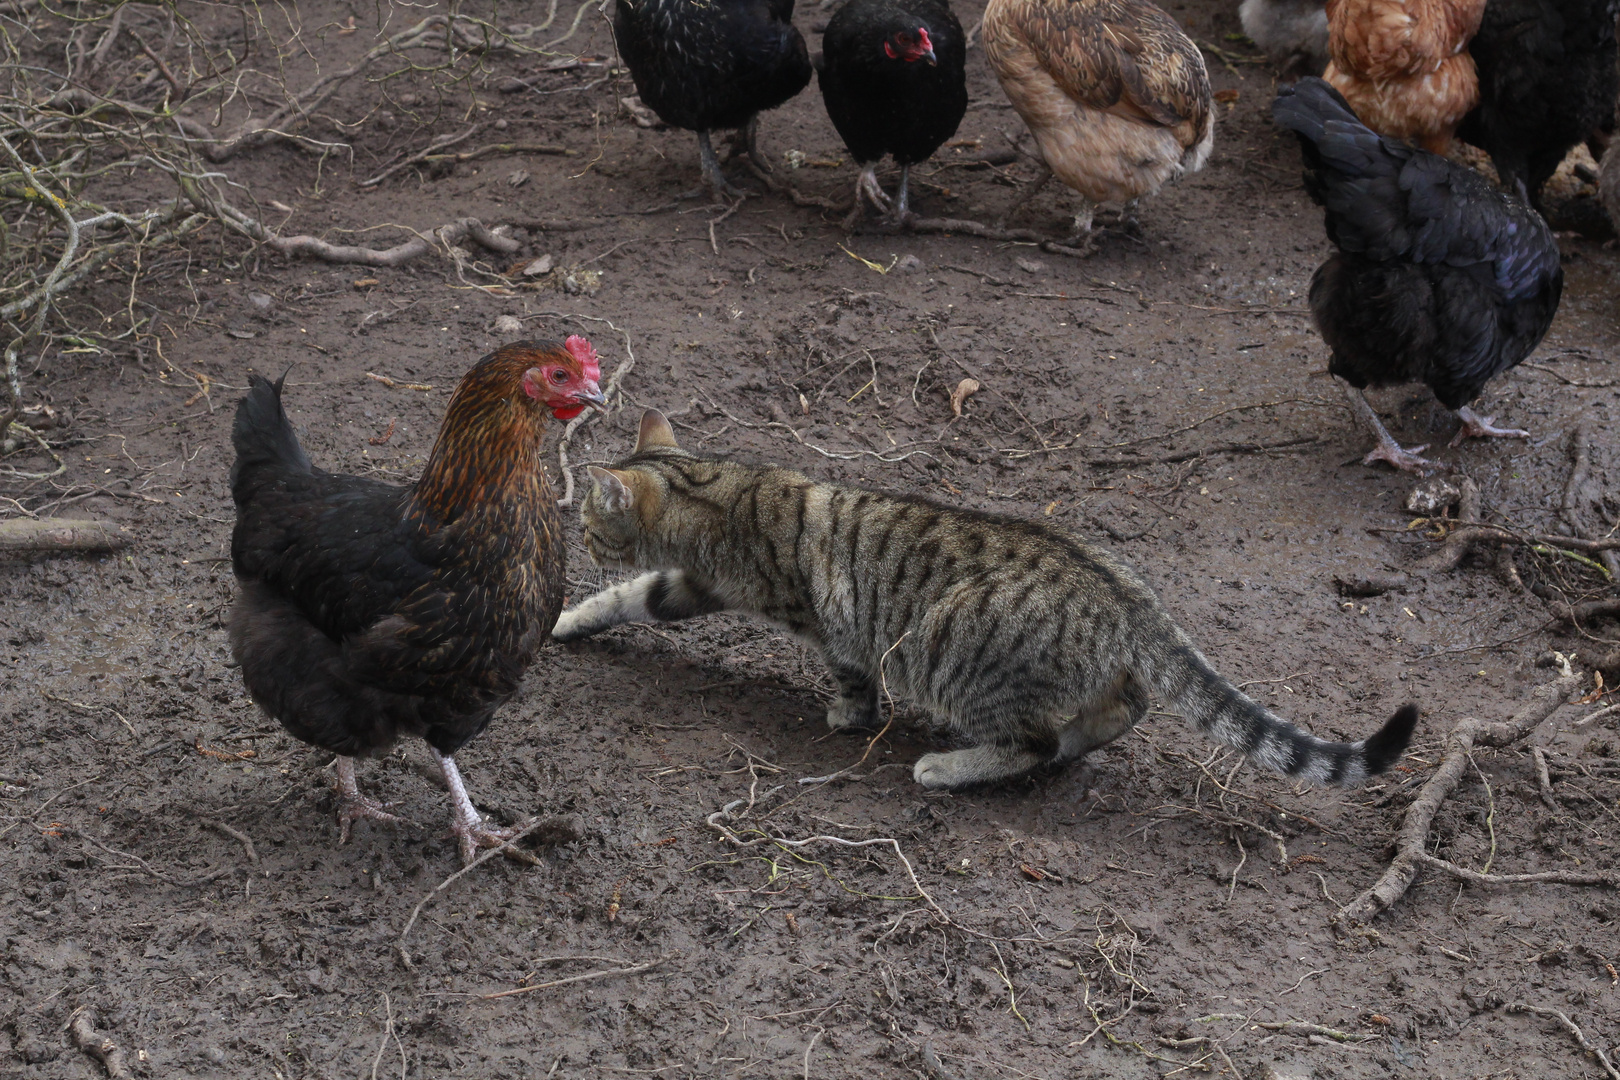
(488,449)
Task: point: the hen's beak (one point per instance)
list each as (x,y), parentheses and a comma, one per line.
(591,395)
(929,56)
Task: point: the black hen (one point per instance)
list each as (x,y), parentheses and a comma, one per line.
(893,79)
(704,65)
(1438,278)
(368,610)
(1547,80)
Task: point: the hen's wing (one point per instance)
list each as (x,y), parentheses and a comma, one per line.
(1126,57)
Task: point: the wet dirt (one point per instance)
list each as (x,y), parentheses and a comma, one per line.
(1101,919)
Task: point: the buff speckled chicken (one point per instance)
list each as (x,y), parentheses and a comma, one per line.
(1403,65)
(367,611)
(1114,92)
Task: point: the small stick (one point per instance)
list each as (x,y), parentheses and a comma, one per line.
(1543,778)
(1574,1029)
(586,977)
(100,1046)
(246,841)
(1609,710)
(1315,1029)
(203,879)
(562,827)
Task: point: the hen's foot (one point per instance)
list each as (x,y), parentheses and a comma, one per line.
(714,181)
(353,806)
(1475,426)
(467,824)
(1405,460)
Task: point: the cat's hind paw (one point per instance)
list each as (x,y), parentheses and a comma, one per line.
(573,626)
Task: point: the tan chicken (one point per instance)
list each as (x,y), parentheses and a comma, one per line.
(1114,92)
(1403,65)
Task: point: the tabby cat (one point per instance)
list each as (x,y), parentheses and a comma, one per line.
(1033,645)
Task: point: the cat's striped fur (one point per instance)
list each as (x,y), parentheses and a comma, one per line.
(1035,646)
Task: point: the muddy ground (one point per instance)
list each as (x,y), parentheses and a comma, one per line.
(1079,923)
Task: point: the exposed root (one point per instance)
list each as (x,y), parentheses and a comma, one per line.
(59,534)
(1410,841)
(97,1045)
(1574,1029)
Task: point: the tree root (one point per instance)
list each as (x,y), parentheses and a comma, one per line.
(1412,838)
(59,534)
(1574,1029)
(442,238)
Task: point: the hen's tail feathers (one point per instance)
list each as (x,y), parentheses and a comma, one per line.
(262,434)
(1181,674)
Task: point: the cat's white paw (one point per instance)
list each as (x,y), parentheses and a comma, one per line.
(850,713)
(937,771)
(572,626)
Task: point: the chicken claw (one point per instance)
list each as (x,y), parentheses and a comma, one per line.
(1403,459)
(467,824)
(1475,426)
(352,806)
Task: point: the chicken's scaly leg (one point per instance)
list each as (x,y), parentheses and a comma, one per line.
(465,821)
(1387,449)
(750,138)
(902,202)
(351,804)
(713,179)
(1475,426)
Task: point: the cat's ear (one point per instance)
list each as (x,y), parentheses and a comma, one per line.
(616,495)
(655,431)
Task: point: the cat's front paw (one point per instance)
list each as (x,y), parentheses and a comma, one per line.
(853,714)
(573,625)
(938,771)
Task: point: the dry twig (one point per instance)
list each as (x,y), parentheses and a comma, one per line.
(97,1045)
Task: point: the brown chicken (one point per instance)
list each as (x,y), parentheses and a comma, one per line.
(368,610)
(1114,92)
(1403,65)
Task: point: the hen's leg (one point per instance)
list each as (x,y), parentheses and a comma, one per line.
(902,202)
(750,140)
(1387,449)
(1475,426)
(465,821)
(713,179)
(351,804)
(1030,190)
(868,189)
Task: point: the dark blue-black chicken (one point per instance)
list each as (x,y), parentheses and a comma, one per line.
(1438,279)
(367,611)
(1547,79)
(893,79)
(707,65)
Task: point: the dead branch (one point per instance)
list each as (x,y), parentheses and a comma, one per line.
(990,232)
(1412,838)
(435,152)
(442,239)
(59,534)
(1574,1029)
(97,1045)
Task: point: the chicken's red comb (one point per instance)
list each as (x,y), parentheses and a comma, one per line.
(580,349)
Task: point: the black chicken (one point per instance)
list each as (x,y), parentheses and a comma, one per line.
(704,65)
(893,79)
(369,610)
(1547,80)
(1438,278)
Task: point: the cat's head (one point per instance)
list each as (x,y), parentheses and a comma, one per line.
(624,511)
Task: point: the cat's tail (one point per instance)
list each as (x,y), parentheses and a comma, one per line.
(1179,673)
